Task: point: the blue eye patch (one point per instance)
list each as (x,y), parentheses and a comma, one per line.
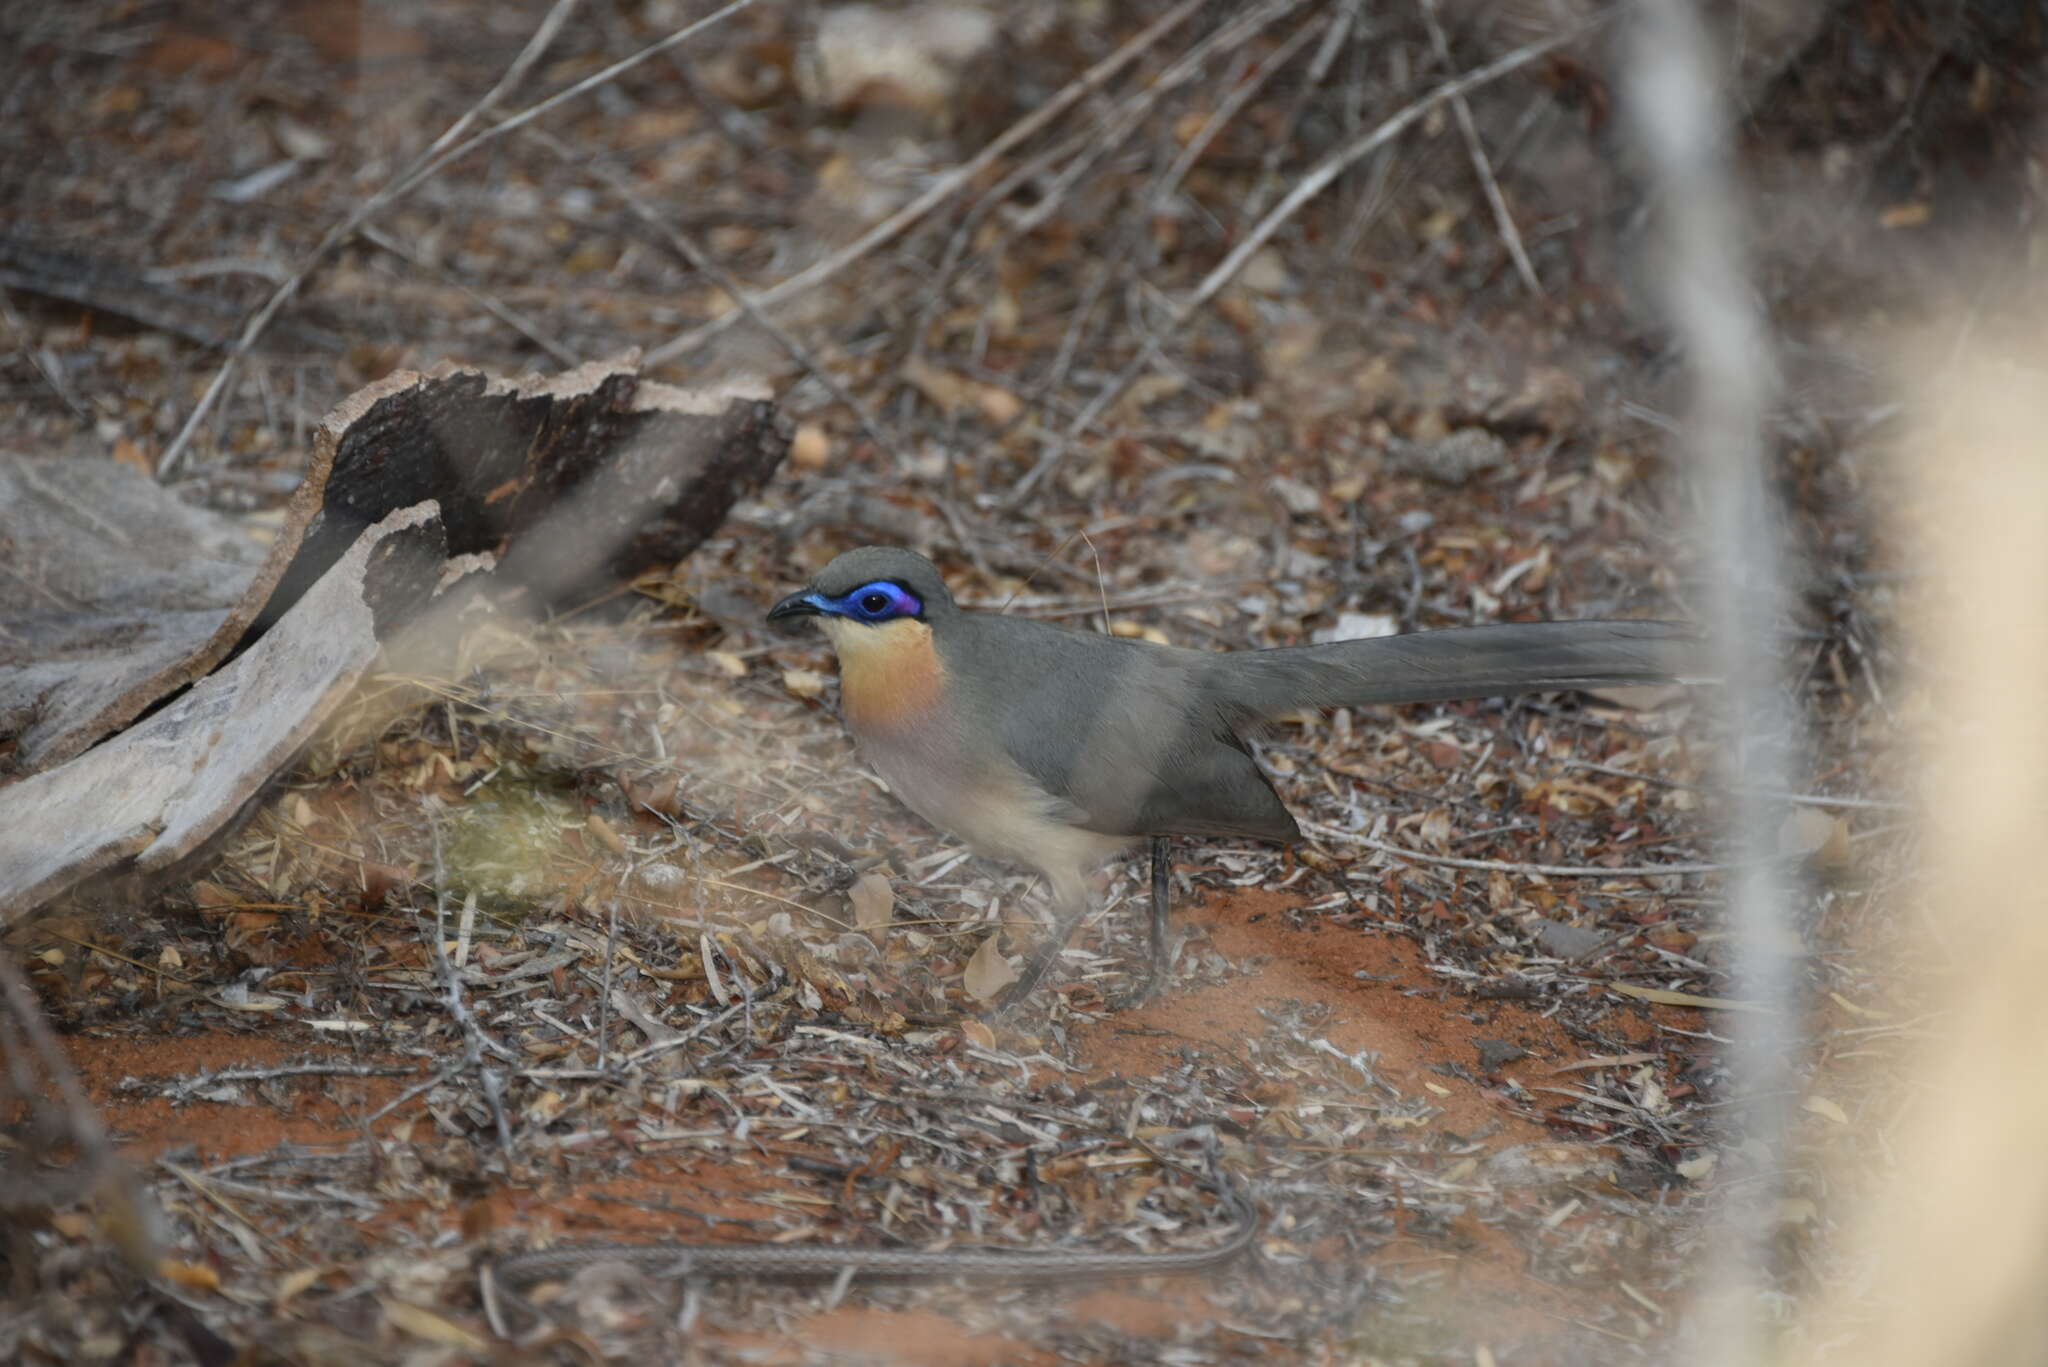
(882,601)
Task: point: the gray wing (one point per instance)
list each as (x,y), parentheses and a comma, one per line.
(1119,731)
(1137,739)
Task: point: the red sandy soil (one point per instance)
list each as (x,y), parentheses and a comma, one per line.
(1399,1011)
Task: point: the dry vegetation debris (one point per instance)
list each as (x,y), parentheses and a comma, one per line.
(601,933)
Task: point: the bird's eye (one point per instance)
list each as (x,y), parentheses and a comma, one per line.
(873,602)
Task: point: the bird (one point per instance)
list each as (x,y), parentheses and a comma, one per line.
(1057,749)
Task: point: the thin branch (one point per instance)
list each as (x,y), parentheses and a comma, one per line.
(1081,154)
(228,1076)
(1318,71)
(702,262)
(1506,866)
(1774,795)
(1306,189)
(52,376)
(440,153)
(474,1041)
(1228,108)
(1682,124)
(129,1216)
(1510,235)
(504,313)
(941,190)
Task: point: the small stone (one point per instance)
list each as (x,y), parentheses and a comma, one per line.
(1567,941)
(1450,459)
(661,877)
(1356,626)
(810,449)
(1495,1054)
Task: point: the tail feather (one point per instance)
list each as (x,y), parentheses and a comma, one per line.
(1461,662)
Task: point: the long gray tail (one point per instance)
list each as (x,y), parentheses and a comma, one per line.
(1462,662)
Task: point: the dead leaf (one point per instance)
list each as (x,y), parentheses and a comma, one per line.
(1665,997)
(803,683)
(245,928)
(1816,836)
(425,1324)
(1650,1092)
(988,972)
(191,1276)
(1138,631)
(1693,1169)
(212,896)
(292,1284)
(950,393)
(1266,273)
(727,663)
(947,391)
(873,901)
(997,404)
(605,835)
(1604,1061)
(1825,1109)
(1910,214)
(978,1034)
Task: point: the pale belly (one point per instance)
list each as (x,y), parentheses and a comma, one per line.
(994,808)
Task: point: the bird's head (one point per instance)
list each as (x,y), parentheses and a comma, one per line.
(867,591)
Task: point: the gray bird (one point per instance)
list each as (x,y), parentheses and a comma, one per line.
(1056,749)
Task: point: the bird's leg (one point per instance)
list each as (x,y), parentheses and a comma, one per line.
(1162,874)
(1070,905)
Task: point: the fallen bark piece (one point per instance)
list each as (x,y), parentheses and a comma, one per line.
(570,481)
(153,793)
(541,487)
(110,586)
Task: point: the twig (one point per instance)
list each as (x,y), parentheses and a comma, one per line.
(698,260)
(442,151)
(732,123)
(152,969)
(502,312)
(130,1216)
(108,285)
(1135,110)
(942,189)
(1306,189)
(1082,152)
(604,996)
(1504,866)
(188,1086)
(1318,70)
(1796,799)
(1683,128)
(52,376)
(474,1040)
(1228,108)
(1510,235)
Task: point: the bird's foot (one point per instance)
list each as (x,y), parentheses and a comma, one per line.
(1145,990)
(1035,969)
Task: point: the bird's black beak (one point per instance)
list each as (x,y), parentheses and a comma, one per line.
(800,604)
